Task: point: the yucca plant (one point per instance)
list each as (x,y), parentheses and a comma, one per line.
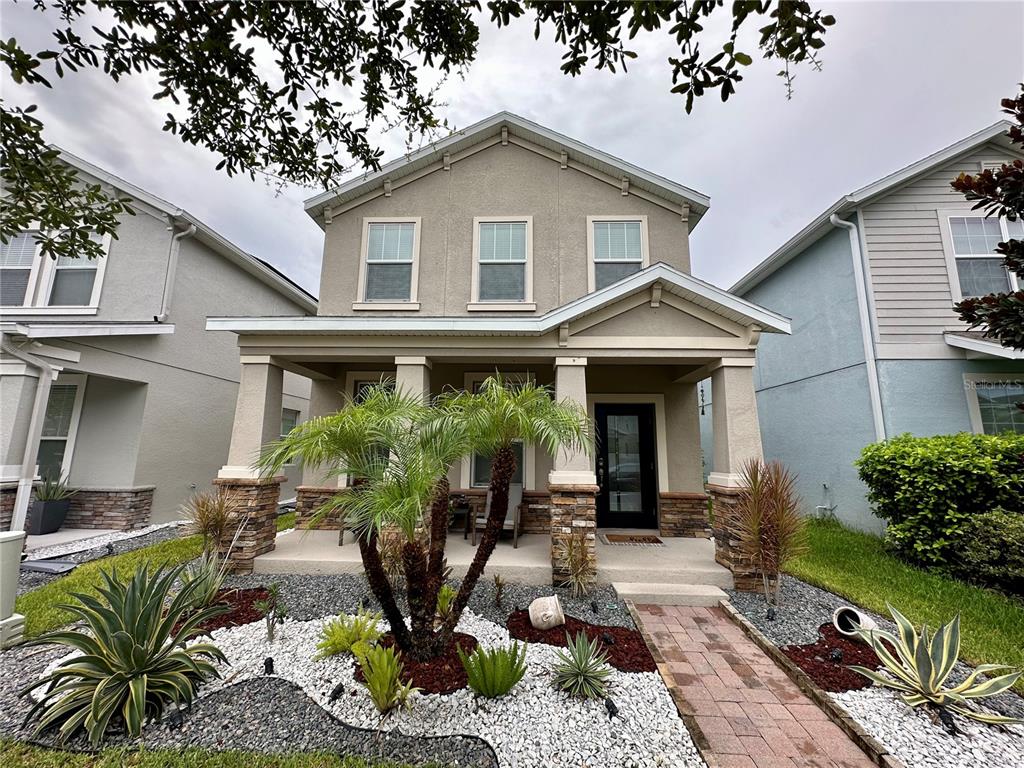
(53,489)
(132,662)
(344,633)
(211,515)
(495,672)
(919,665)
(583,669)
(382,676)
(579,563)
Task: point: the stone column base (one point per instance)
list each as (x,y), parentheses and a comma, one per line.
(745,574)
(120,508)
(257,501)
(535,512)
(308,499)
(683,514)
(573,513)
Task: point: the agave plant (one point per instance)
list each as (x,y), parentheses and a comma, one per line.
(582,671)
(208,573)
(919,665)
(132,660)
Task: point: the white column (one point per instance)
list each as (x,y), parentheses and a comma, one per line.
(257,416)
(326,396)
(572,467)
(412,376)
(734,417)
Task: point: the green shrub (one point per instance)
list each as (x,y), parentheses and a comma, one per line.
(133,662)
(382,676)
(493,673)
(992,551)
(583,670)
(344,633)
(929,488)
(445,600)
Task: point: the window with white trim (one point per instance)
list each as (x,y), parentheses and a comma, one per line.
(979,270)
(60,422)
(479,464)
(390,256)
(481,468)
(73,282)
(617,249)
(289,420)
(503,252)
(998,405)
(17,259)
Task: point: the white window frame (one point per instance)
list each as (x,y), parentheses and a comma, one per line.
(79,380)
(527,304)
(529,450)
(946,229)
(412,304)
(298,420)
(971,381)
(40,285)
(645,256)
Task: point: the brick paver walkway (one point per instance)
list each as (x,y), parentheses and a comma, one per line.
(743,709)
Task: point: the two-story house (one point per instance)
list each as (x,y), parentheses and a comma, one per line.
(877,349)
(108,377)
(509,247)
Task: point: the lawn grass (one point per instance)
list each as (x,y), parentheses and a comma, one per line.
(285,521)
(17,755)
(857,566)
(40,606)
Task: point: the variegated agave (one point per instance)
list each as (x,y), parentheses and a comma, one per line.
(920,665)
(132,660)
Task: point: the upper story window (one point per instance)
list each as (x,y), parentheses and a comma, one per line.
(618,248)
(17,260)
(390,264)
(29,281)
(73,282)
(980,271)
(502,263)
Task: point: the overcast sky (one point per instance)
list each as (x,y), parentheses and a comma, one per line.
(900,80)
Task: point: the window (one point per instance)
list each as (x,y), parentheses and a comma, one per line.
(44,286)
(17,258)
(974,238)
(363,386)
(60,422)
(993,400)
(73,282)
(482,468)
(618,249)
(502,256)
(389,271)
(289,420)
(476,468)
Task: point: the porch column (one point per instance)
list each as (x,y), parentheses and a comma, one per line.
(326,396)
(572,483)
(737,440)
(257,422)
(412,376)
(682,500)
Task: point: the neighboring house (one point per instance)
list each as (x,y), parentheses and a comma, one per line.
(510,247)
(877,349)
(139,413)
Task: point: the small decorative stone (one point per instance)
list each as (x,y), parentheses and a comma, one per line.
(546,612)
(268,665)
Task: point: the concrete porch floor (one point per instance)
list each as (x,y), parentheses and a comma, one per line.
(680,561)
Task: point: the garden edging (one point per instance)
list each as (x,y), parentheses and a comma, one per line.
(873,748)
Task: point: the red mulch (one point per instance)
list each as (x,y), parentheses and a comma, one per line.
(242,611)
(628,653)
(814,659)
(442,674)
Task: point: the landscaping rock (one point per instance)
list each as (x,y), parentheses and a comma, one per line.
(546,613)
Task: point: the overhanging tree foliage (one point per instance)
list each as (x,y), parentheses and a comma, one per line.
(1000,192)
(296,91)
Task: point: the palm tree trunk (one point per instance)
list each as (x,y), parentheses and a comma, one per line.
(503,466)
(421,609)
(381,588)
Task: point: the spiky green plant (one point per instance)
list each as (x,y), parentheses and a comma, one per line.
(382,676)
(132,662)
(51,488)
(578,562)
(273,609)
(583,669)
(342,634)
(919,665)
(207,573)
(445,599)
(495,672)
(211,514)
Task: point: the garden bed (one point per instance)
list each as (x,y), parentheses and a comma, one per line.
(625,648)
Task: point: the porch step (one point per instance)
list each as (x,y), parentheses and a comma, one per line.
(670,594)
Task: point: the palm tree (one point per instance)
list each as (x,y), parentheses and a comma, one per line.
(398,452)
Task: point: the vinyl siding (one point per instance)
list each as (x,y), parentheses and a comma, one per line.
(910,281)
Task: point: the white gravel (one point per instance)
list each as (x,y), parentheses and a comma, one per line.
(912,736)
(80,545)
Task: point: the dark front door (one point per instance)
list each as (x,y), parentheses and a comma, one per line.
(626,466)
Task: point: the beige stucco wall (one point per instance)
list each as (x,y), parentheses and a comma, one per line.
(497,181)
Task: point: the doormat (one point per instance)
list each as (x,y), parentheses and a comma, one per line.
(631,540)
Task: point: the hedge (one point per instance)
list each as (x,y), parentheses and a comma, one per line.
(930,489)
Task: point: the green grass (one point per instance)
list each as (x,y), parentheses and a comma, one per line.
(40,606)
(16,755)
(857,566)
(285,521)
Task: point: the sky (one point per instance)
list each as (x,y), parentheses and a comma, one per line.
(899,81)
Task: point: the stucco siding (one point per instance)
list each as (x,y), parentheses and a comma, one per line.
(109,431)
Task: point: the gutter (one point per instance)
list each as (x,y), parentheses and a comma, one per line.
(172,266)
(26,478)
(863,311)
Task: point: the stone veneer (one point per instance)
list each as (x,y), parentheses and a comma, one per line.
(683,514)
(308,499)
(121,509)
(535,512)
(573,511)
(723,502)
(257,501)
(7,496)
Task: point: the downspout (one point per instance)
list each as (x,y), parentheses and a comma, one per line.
(30,456)
(172,266)
(864,312)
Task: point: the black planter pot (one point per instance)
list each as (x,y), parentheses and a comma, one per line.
(47,516)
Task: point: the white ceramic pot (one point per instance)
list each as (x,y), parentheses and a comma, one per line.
(546,612)
(847,619)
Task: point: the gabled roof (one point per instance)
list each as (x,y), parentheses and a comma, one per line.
(994,134)
(256,267)
(528,130)
(685,286)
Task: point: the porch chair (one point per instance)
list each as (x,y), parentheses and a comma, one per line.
(515,499)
